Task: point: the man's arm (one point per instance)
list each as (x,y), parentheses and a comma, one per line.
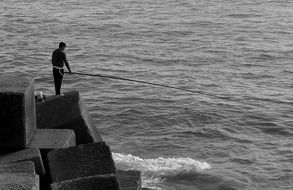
(66,64)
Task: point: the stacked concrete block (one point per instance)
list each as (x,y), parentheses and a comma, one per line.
(19,181)
(68,112)
(86,166)
(18,167)
(50,152)
(50,139)
(33,155)
(18,123)
(47,140)
(17,113)
(81,161)
(19,175)
(98,182)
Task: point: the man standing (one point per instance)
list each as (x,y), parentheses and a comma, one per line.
(58,60)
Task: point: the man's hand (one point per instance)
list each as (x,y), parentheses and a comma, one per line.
(70,72)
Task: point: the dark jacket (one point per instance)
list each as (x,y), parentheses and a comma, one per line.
(58,58)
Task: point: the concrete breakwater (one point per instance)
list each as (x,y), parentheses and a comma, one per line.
(53,144)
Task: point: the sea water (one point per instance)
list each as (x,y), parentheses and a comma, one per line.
(235,133)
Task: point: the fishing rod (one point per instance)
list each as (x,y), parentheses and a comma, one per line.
(132,80)
(145,82)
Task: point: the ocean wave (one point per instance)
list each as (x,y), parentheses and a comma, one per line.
(159,165)
(156,169)
(288,71)
(243,15)
(203,181)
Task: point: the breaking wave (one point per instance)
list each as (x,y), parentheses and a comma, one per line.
(155,170)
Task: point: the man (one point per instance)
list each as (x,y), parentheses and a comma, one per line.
(58,60)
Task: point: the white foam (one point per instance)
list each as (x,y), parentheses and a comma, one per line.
(153,170)
(164,165)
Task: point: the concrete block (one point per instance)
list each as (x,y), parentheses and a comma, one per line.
(129,180)
(80,161)
(98,182)
(19,167)
(68,112)
(17,111)
(49,139)
(19,181)
(33,155)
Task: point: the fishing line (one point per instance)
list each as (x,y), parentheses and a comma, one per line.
(149,83)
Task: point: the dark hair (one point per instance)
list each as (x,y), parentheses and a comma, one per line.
(62,44)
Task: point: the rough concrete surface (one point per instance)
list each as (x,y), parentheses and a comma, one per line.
(33,155)
(19,182)
(129,180)
(17,111)
(52,139)
(68,112)
(98,182)
(18,167)
(80,161)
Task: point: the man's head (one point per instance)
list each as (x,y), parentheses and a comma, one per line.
(62,46)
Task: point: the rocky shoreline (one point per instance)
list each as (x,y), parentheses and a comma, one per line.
(53,144)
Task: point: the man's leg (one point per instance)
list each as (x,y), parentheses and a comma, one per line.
(58,76)
(61,74)
(55,75)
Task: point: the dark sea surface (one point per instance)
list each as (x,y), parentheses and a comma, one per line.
(236,133)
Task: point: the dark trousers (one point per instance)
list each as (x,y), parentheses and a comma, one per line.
(58,76)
